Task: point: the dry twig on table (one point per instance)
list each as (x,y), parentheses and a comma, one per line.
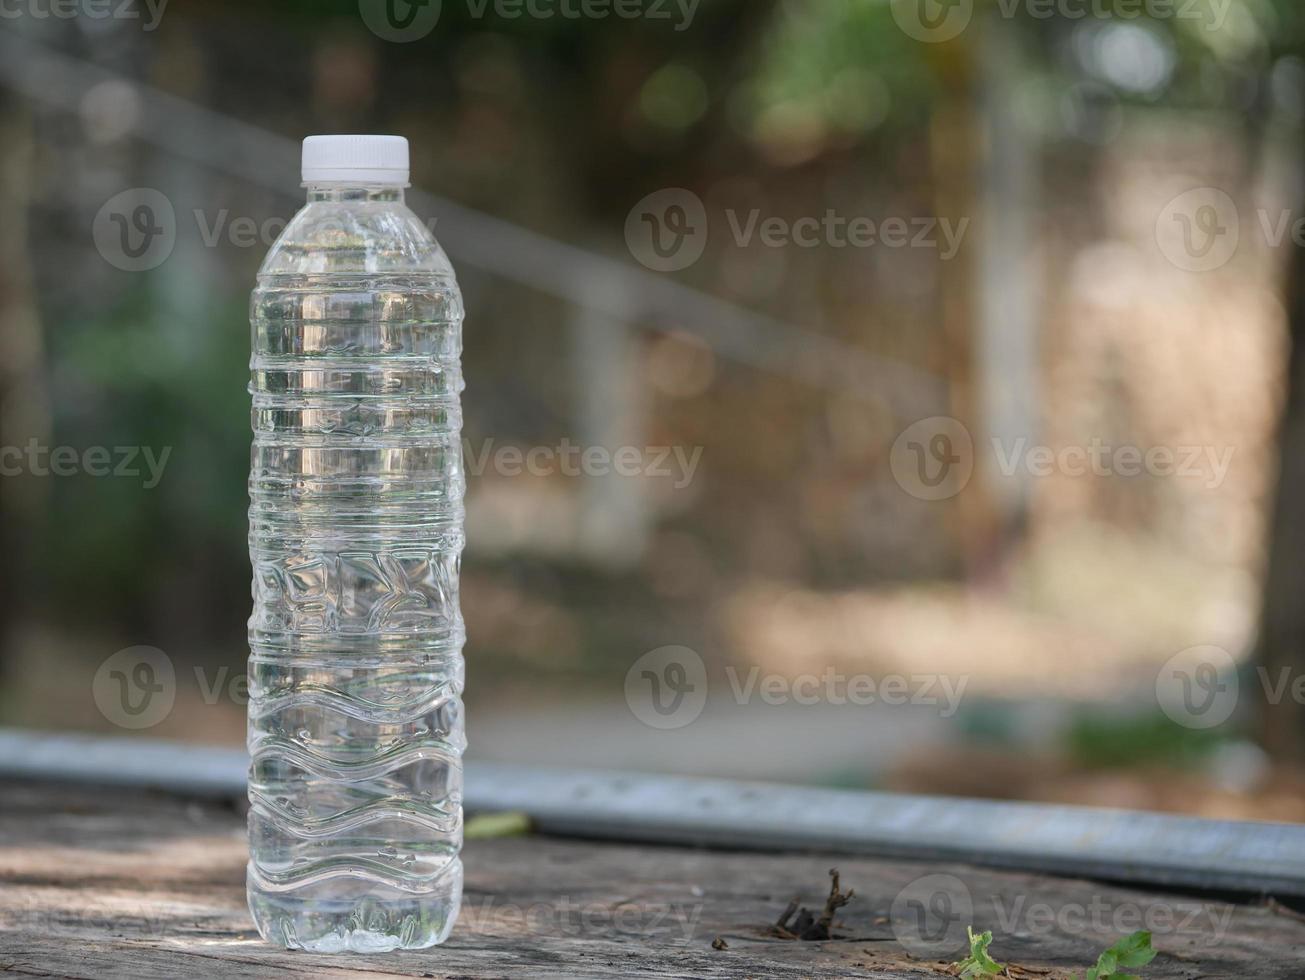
(808,926)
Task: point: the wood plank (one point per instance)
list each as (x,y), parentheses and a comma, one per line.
(102,883)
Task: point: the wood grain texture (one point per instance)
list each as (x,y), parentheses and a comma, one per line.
(97,883)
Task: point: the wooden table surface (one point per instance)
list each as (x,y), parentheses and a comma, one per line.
(105,883)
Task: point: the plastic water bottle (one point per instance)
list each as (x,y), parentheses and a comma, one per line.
(356,534)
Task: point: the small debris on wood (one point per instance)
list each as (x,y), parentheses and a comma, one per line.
(1278,908)
(808,926)
(719,943)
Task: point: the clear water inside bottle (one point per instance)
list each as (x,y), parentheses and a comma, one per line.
(356,534)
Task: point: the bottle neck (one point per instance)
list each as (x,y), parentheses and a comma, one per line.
(355,192)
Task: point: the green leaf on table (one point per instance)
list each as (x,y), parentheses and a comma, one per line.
(978,963)
(1134,950)
(488,826)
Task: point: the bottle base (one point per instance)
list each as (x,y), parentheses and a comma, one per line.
(357,916)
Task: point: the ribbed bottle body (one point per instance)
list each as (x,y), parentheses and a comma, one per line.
(356,534)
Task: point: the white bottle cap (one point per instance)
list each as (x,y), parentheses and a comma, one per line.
(355,160)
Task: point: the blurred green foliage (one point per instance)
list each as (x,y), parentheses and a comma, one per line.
(1151,739)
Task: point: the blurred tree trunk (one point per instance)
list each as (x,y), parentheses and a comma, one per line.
(1282,621)
(612,411)
(1008,278)
(957,161)
(24,408)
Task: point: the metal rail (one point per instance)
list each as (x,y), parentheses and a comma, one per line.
(1120,845)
